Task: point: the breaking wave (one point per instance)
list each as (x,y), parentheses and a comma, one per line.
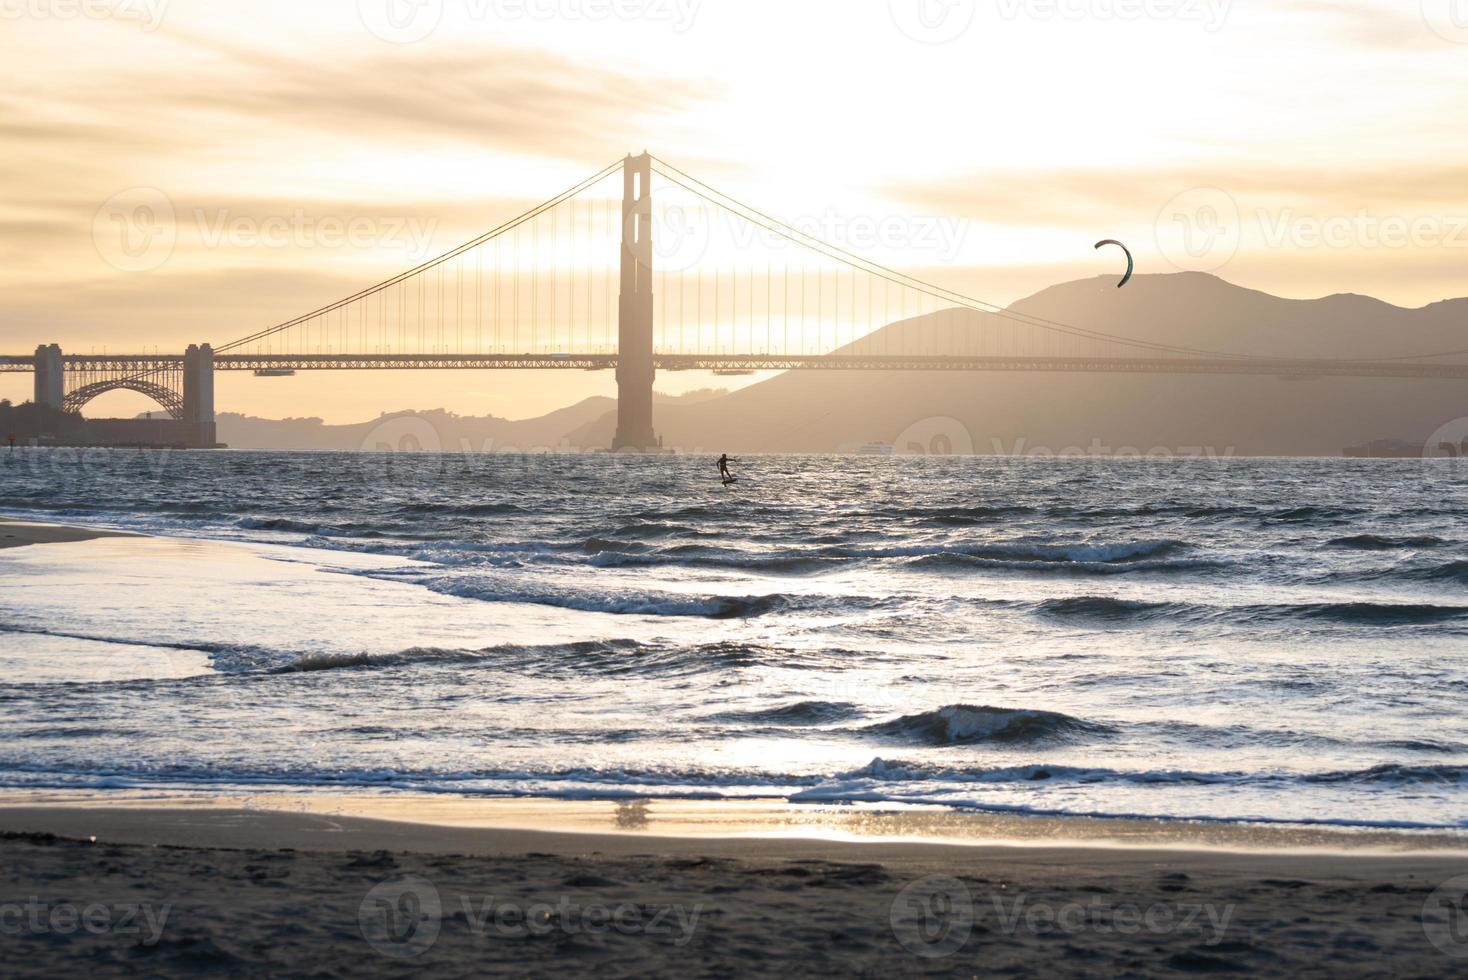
(1386,542)
(958,724)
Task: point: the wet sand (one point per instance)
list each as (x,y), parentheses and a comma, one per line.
(18,534)
(248,891)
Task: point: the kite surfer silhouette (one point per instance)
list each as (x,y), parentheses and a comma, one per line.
(724,473)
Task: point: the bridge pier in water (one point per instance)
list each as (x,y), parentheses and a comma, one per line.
(50,377)
(198,396)
(635,370)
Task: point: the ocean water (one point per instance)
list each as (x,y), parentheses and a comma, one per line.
(1234,640)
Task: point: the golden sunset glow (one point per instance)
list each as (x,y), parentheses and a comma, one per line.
(1036,129)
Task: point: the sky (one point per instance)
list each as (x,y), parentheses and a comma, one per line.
(290,153)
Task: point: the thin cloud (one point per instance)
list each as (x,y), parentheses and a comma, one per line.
(513,101)
(1365,25)
(1068,195)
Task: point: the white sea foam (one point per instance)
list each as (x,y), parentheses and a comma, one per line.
(1267,640)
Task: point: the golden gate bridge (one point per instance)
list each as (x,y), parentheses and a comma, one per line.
(587,281)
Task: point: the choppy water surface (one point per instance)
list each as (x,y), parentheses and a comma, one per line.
(1281,640)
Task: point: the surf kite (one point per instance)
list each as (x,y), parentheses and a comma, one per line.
(1130,265)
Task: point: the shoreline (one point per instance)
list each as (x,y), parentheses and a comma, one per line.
(221,828)
(724,827)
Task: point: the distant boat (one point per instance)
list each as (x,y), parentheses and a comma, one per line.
(877,449)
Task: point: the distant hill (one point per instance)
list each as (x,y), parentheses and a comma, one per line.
(1194,309)
(816,411)
(436,429)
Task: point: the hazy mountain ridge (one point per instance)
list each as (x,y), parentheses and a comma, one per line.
(449,431)
(444,429)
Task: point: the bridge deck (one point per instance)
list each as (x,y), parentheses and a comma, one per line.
(1278,367)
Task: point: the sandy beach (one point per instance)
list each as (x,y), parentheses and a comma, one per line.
(202,888)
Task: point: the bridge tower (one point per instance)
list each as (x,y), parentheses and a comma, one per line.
(635,370)
(50,377)
(198,394)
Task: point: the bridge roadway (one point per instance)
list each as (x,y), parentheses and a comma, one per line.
(1276,367)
